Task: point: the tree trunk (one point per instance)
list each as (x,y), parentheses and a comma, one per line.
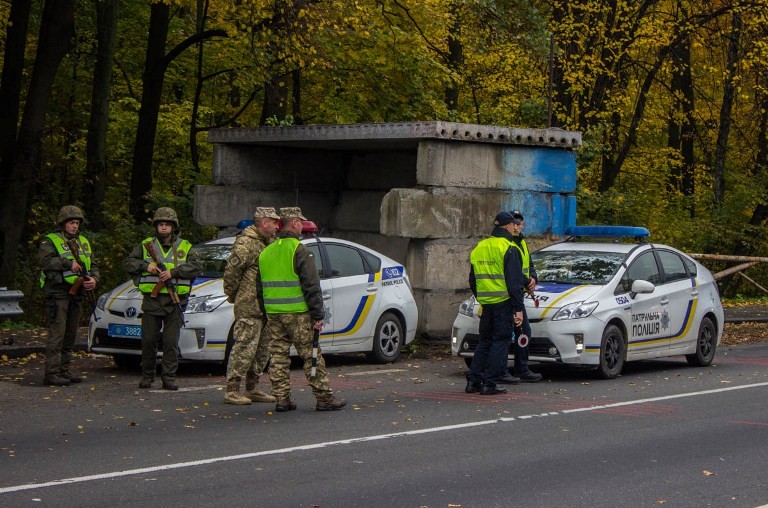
(10,86)
(729,96)
(57,29)
(96,153)
(455,59)
(194,152)
(154,75)
(296,95)
(275,100)
(681,133)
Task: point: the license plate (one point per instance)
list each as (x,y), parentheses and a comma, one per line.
(124,331)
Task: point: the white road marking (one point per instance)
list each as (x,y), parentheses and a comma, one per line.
(378,437)
(374,372)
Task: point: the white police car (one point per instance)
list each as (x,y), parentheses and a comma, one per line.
(601,304)
(369,307)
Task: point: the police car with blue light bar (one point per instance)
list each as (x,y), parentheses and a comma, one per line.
(369,307)
(601,303)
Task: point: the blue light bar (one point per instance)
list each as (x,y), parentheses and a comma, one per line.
(612,231)
(244,223)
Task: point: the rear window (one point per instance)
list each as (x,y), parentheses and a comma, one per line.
(214,258)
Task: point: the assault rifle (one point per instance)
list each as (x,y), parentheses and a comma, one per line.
(74,248)
(167,284)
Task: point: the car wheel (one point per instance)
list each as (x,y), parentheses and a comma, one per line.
(127,362)
(387,338)
(706,343)
(613,352)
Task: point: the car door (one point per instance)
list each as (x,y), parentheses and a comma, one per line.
(645,336)
(679,318)
(354,294)
(326,336)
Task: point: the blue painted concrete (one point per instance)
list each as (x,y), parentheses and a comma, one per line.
(539,169)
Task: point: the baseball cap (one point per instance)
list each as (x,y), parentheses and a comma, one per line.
(291,212)
(517,215)
(504,218)
(265,212)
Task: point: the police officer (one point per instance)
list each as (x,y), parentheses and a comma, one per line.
(160,312)
(250,353)
(496,280)
(294,304)
(61,269)
(522,371)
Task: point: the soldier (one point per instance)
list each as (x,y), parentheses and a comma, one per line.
(251,350)
(294,305)
(62,271)
(160,312)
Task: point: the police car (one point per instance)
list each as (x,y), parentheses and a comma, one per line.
(601,304)
(369,307)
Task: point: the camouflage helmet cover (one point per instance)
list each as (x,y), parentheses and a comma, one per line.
(165,214)
(69,212)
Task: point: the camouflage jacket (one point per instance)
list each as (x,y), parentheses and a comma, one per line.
(241,275)
(54,265)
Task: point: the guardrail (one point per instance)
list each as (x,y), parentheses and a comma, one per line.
(9,302)
(746,262)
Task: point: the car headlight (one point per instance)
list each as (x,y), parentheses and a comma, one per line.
(576,310)
(101,303)
(467,307)
(205,303)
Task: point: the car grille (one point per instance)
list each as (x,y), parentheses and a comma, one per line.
(101,339)
(539,346)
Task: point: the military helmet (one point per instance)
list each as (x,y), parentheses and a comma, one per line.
(166,214)
(69,212)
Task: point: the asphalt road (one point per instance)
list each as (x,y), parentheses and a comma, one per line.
(662,434)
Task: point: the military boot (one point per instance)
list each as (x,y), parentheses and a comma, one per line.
(252,392)
(55,380)
(285,405)
(330,404)
(233,395)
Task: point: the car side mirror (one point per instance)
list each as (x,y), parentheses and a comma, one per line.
(641,286)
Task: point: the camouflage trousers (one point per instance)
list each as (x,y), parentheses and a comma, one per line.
(250,353)
(294,329)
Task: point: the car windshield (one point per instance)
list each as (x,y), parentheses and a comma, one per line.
(214,258)
(576,267)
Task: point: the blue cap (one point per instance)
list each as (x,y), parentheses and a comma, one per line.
(504,218)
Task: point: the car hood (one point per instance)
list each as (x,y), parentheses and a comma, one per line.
(128,295)
(554,296)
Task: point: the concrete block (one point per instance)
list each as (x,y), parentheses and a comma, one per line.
(502,167)
(439,264)
(460,213)
(395,248)
(226,206)
(437,310)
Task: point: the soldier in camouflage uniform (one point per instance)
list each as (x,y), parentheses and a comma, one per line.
(250,353)
(60,270)
(160,319)
(290,289)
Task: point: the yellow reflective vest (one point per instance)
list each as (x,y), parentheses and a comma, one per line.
(60,243)
(487,260)
(280,282)
(175,255)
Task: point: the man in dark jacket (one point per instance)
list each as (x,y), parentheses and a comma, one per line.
(289,286)
(496,280)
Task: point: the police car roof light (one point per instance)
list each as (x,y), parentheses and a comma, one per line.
(609,231)
(307,226)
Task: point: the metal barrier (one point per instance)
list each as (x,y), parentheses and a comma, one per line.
(9,302)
